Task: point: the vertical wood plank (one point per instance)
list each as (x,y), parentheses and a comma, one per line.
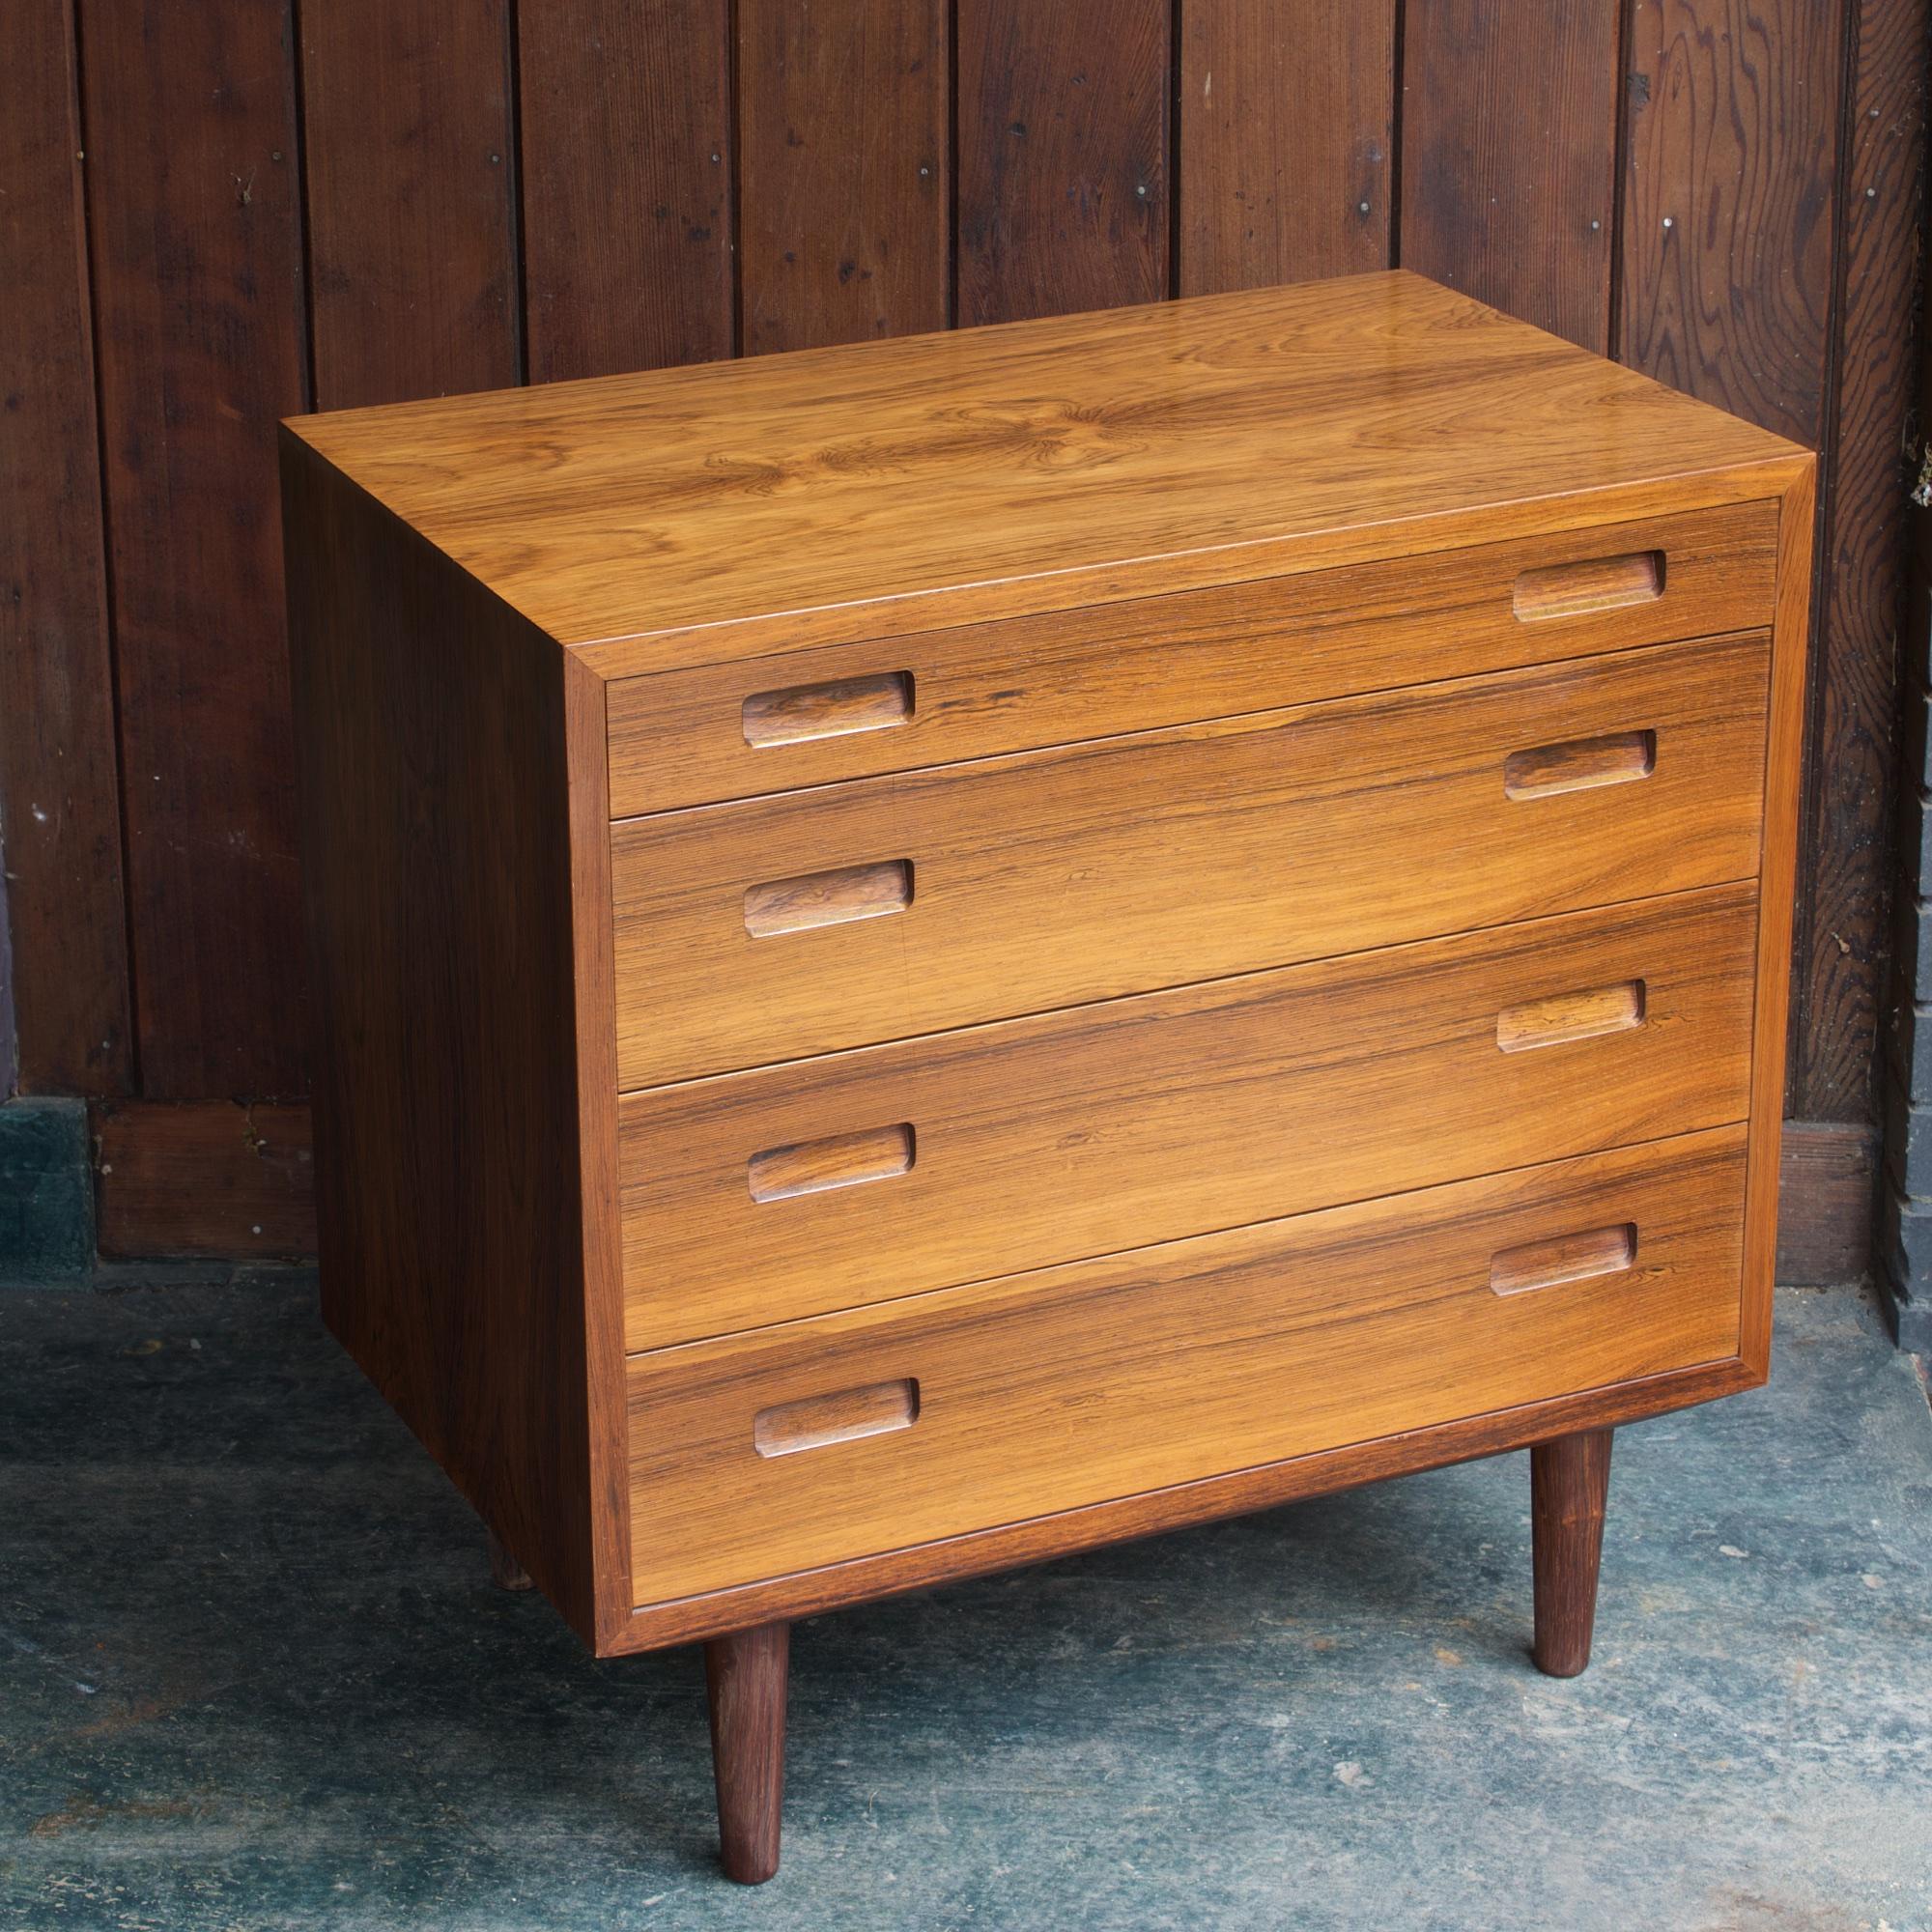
(411,198)
(843,196)
(1728,244)
(626,167)
(1841,972)
(1286,126)
(60,808)
(1063,122)
(1508,155)
(196,254)
(1727,210)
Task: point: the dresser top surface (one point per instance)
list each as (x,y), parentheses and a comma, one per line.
(684,515)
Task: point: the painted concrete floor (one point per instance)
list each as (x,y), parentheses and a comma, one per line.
(252,1675)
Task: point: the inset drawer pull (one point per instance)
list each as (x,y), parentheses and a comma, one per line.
(1566,1016)
(834,709)
(1568,1257)
(828,898)
(822,1419)
(1599,584)
(1578,763)
(839,1160)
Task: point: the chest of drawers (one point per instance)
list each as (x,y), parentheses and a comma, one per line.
(938,953)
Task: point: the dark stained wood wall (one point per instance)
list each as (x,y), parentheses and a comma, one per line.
(217,215)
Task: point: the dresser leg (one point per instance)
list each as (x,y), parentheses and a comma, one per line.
(505,1571)
(744,1679)
(1569,1482)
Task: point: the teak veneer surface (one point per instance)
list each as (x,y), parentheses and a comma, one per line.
(1016,885)
(1142,1120)
(1008,912)
(696,736)
(886,487)
(1144,1370)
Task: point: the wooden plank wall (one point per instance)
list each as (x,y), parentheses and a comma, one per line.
(211,216)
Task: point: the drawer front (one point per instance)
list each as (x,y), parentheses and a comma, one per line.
(768,931)
(785,1192)
(767,724)
(874,1429)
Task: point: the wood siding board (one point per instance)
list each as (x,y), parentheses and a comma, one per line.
(60,808)
(626,173)
(202,1178)
(1063,170)
(1727,238)
(1508,155)
(844,177)
(1841,971)
(197,265)
(1287,113)
(412,206)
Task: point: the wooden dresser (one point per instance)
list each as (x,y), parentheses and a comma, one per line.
(931,953)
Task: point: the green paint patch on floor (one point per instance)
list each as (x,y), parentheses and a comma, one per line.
(254,1675)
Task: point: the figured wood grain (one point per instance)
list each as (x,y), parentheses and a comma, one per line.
(1619,758)
(844,191)
(625,112)
(1535,1266)
(717,732)
(830,708)
(834,897)
(1508,155)
(819,1421)
(1047,879)
(411,199)
(194,226)
(1062,134)
(689,516)
(1602,584)
(463,1104)
(1144,1370)
(1571,1016)
(1286,137)
(838,1161)
(1036,1539)
(64,905)
(1149,1119)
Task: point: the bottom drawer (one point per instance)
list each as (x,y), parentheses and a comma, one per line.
(850,1434)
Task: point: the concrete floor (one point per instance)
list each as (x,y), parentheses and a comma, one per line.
(252,1674)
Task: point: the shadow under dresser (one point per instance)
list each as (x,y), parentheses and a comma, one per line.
(937,952)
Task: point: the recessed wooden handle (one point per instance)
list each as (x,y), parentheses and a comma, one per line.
(1565,1016)
(834,709)
(1598,583)
(1567,1258)
(822,1419)
(1578,763)
(828,898)
(839,1160)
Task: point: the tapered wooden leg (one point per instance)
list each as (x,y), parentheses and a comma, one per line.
(1569,1483)
(745,1678)
(505,1571)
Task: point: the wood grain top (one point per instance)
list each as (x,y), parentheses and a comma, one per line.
(691,514)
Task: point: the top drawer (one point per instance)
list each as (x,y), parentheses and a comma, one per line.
(766,724)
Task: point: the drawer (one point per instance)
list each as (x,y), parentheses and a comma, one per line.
(792,1190)
(766,724)
(870,1431)
(769,930)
